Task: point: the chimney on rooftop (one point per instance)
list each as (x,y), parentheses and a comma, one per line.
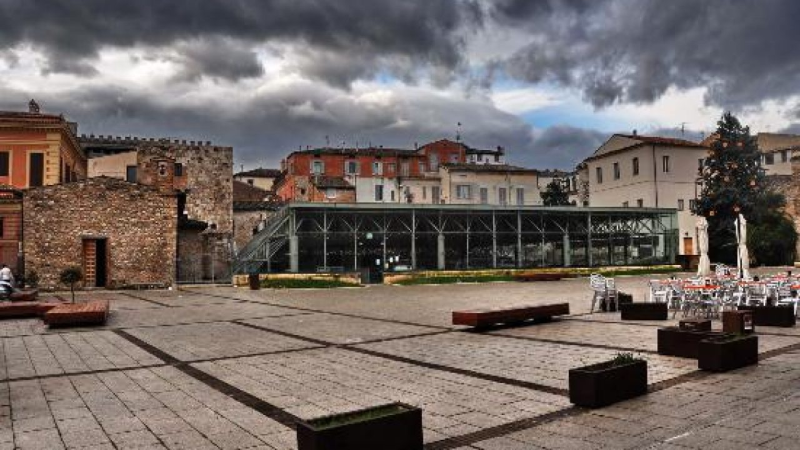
(33,107)
(634,132)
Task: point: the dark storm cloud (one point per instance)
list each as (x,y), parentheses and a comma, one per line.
(563,146)
(744,51)
(217,58)
(72,32)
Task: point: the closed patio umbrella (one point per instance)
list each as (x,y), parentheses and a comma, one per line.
(743,257)
(704,267)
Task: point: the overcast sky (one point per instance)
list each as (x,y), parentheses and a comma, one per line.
(548,80)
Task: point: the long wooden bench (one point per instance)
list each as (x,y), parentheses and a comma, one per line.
(16,310)
(481,318)
(94,312)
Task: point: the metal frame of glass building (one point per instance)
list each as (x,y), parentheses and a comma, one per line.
(331,237)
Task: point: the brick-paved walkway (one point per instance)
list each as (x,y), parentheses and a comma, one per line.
(220,368)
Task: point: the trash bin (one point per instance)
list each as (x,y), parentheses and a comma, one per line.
(255,281)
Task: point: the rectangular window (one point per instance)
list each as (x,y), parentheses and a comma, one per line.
(435,195)
(424,192)
(352,167)
(391,194)
(700,163)
(640,203)
(616,171)
(404,169)
(390,168)
(251,182)
(769,159)
(378,192)
(692,204)
(484,196)
(377,168)
(330,193)
(2,227)
(463,191)
(635,166)
(625,204)
(665,164)
(178,169)
(433,162)
(130,174)
(36,175)
(317,167)
(4,163)
(784,155)
(520,196)
(599,173)
(454,158)
(421,167)
(502,196)
(680,204)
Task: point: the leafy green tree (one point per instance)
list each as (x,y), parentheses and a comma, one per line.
(733,183)
(70,276)
(555,194)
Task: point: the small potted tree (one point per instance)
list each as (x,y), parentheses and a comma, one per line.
(608,382)
(71,276)
(395,426)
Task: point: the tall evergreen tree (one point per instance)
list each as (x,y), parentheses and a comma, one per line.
(555,194)
(733,183)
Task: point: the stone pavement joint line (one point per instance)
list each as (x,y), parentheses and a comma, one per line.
(251,401)
(427,365)
(582,344)
(502,430)
(313,310)
(144,299)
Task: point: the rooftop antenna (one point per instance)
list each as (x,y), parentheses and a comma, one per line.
(683,129)
(327,141)
(458,132)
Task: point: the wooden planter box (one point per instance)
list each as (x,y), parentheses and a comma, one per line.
(606,383)
(695,324)
(730,352)
(673,341)
(389,427)
(772,316)
(644,311)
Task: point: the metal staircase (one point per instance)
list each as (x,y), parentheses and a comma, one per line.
(261,251)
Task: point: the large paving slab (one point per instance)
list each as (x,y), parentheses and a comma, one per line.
(314,383)
(339,329)
(530,361)
(54,354)
(622,335)
(214,340)
(147,408)
(194,314)
(755,407)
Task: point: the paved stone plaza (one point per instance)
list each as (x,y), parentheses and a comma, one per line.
(225,368)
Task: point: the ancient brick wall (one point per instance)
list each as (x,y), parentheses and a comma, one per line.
(138,222)
(207,177)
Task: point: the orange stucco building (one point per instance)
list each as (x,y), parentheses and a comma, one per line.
(35,150)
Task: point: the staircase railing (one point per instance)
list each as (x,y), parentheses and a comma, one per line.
(265,244)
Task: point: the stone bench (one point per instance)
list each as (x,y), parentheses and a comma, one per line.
(94,312)
(481,318)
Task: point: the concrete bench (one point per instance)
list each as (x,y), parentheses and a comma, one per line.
(94,312)
(481,318)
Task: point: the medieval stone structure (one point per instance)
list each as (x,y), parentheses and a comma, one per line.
(121,234)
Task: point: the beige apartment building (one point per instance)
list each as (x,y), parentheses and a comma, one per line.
(644,171)
(463,184)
